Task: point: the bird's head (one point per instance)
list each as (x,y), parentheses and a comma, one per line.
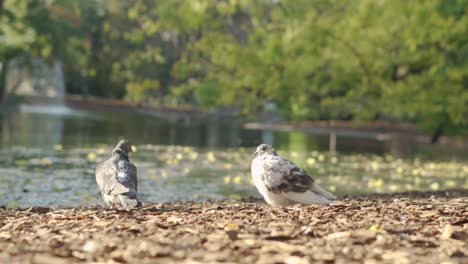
(264,149)
(124,146)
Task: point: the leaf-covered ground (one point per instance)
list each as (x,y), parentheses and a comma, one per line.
(400,228)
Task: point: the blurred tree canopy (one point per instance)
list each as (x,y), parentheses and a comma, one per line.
(393,60)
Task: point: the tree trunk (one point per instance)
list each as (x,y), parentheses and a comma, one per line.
(437,133)
(1,7)
(3,62)
(2,79)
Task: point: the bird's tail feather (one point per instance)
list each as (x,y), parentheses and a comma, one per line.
(322,192)
(306,197)
(129,201)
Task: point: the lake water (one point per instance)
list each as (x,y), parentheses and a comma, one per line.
(48,156)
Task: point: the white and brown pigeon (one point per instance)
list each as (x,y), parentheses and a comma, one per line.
(117,178)
(282,183)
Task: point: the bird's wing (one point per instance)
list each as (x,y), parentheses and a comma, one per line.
(127,175)
(104,172)
(281,176)
(112,179)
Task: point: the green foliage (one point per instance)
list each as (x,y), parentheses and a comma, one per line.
(208,93)
(325,59)
(142,91)
(15,34)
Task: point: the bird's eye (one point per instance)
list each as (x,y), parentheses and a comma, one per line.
(264,148)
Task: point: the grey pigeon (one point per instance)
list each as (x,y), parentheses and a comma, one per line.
(117,178)
(282,183)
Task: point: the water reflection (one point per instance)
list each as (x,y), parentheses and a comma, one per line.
(49,159)
(55,176)
(39,128)
(45,130)
(32,129)
(268,137)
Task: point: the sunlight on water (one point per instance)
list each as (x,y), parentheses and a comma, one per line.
(48,157)
(65,176)
(61,110)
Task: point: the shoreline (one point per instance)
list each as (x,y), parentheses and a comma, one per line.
(163,111)
(430,227)
(380,130)
(375,130)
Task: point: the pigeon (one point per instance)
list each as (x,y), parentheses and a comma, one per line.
(282,183)
(117,178)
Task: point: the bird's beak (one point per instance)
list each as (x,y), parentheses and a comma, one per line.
(133,148)
(255,154)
